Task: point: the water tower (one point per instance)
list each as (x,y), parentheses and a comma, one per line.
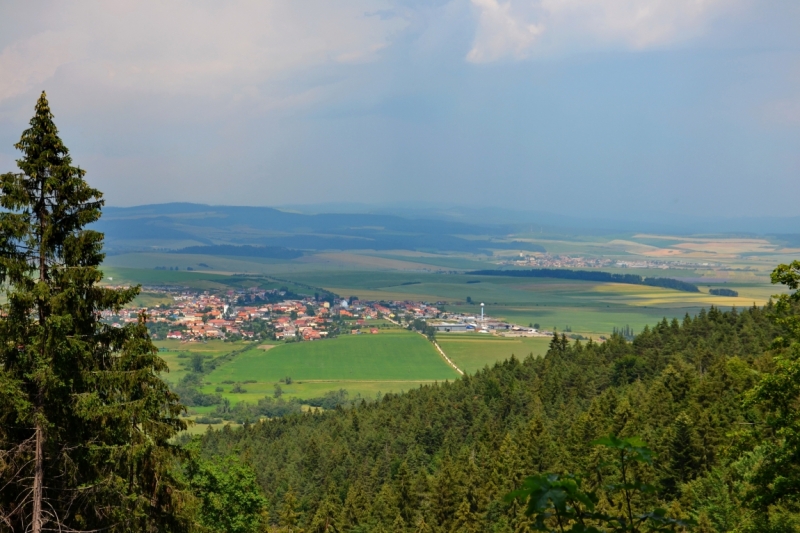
(481,312)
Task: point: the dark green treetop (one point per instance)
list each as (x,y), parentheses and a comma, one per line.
(775,477)
(84,417)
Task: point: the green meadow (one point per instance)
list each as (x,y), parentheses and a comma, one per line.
(473,351)
(177,354)
(365,364)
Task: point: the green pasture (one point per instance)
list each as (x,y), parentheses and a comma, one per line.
(215,264)
(448,261)
(177,354)
(588,321)
(304,390)
(365,364)
(196,280)
(152,299)
(473,351)
(198,262)
(149,276)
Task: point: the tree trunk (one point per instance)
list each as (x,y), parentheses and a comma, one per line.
(38,468)
(38,478)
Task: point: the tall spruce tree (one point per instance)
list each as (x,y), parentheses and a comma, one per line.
(84,417)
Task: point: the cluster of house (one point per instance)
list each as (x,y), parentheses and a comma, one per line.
(261,313)
(248,314)
(193,316)
(546,260)
(298,323)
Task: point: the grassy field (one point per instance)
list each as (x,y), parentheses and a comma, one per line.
(151,299)
(177,353)
(194,280)
(365,364)
(394,360)
(473,351)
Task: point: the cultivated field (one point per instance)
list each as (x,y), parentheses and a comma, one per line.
(177,354)
(392,360)
(473,351)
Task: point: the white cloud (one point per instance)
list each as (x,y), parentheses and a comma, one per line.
(186,47)
(518,28)
(29,62)
(500,33)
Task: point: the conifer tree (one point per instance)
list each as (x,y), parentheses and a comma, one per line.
(399,525)
(520,522)
(508,469)
(465,520)
(328,517)
(355,506)
(776,478)
(229,494)
(422,526)
(85,417)
(384,507)
(406,499)
(289,516)
(445,493)
(422,492)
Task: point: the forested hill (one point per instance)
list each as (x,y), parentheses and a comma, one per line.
(441,458)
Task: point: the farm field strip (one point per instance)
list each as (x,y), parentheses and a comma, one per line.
(473,354)
(359,363)
(388,355)
(373,261)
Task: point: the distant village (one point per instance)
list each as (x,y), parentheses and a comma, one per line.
(566,261)
(259,314)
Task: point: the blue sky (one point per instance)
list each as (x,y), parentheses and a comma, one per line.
(594,107)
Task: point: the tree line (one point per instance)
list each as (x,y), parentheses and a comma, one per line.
(589,275)
(723,292)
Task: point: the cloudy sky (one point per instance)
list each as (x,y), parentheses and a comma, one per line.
(576,106)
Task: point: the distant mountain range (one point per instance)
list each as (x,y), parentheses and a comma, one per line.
(184,226)
(630,221)
(281,233)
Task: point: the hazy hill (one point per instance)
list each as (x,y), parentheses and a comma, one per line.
(178,225)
